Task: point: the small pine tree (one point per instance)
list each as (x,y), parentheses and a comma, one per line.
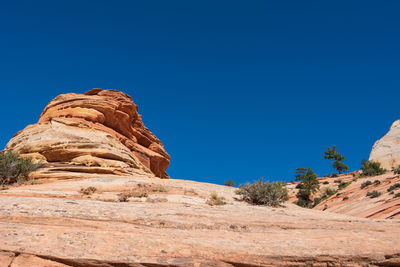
(337,158)
(229,182)
(308,185)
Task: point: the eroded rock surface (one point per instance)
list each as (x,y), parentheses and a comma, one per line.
(352,199)
(387,149)
(173,226)
(96,132)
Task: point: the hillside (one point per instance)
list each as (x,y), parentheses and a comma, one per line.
(168,223)
(353,200)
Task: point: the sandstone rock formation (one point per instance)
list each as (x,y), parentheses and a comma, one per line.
(387,149)
(96,132)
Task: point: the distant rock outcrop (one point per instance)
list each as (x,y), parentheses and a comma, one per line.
(387,149)
(96,132)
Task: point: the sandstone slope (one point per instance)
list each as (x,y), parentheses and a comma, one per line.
(96,132)
(168,223)
(353,200)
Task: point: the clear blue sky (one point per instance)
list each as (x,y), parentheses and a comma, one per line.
(234,89)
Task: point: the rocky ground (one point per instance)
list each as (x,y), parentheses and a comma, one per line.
(168,223)
(353,200)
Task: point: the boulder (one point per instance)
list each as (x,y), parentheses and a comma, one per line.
(96,132)
(387,149)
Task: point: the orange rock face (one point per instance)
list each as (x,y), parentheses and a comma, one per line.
(99,131)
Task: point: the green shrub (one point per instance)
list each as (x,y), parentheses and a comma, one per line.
(229,182)
(14,169)
(302,203)
(317,200)
(329,191)
(325,182)
(393,187)
(396,170)
(377,182)
(215,200)
(373,194)
(162,189)
(345,198)
(397,195)
(371,168)
(343,185)
(264,193)
(365,184)
(333,175)
(337,181)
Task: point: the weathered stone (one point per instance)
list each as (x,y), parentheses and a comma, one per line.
(387,149)
(101,129)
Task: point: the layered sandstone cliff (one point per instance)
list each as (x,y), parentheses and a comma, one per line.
(387,149)
(96,132)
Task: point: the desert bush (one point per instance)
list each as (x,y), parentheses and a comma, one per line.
(215,200)
(15,169)
(377,182)
(88,190)
(139,192)
(343,185)
(303,203)
(229,182)
(396,170)
(264,193)
(365,184)
(337,181)
(373,194)
(329,191)
(371,168)
(345,198)
(325,182)
(397,195)
(162,189)
(393,187)
(333,175)
(318,200)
